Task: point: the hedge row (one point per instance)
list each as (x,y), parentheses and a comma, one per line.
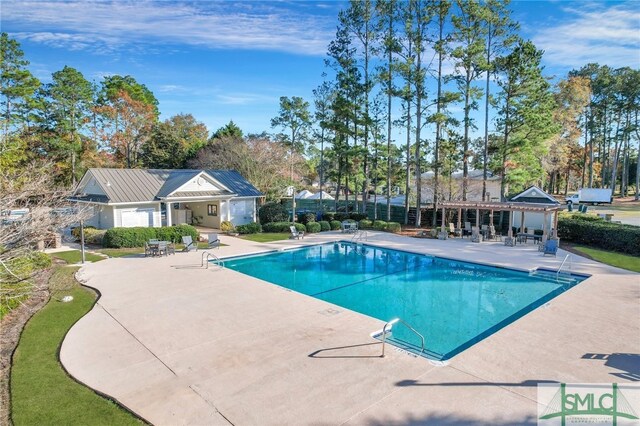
(136,237)
(596,232)
(379,225)
(331,216)
(249,228)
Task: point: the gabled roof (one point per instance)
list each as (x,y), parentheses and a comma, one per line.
(147,185)
(533,194)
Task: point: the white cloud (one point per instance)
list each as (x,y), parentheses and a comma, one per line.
(111,26)
(608,36)
(243,98)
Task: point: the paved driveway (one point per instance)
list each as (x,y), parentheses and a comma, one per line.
(179,344)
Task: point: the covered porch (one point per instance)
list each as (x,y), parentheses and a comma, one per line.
(549,227)
(207,211)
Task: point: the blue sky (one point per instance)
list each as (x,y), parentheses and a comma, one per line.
(232,60)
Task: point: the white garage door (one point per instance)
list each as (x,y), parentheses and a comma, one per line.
(137,217)
(241,211)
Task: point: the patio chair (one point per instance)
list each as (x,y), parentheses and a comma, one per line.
(148,250)
(475,234)
(550,247)
(295,233)
(162,248)
(493,235)
(188,243)
(455,232)
(213,240)
(467,229)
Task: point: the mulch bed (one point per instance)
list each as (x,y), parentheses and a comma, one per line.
(10,331)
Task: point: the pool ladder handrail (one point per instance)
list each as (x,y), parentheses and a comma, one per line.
(359,235)
(394,321)
(567,257)
(206,256)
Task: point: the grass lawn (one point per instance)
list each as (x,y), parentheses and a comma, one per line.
(120,252)
(41,391)
(75,256)
(266,237)
(624,261)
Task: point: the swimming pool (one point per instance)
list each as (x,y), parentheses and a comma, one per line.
(453,304)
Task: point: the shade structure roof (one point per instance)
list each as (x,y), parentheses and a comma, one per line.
(500,206)
(316,196)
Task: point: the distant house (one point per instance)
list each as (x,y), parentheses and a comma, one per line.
(451,188)
(533,194)
(157,197)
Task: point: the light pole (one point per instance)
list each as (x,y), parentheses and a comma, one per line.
(291,191)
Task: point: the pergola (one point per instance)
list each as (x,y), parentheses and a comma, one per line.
(511,207)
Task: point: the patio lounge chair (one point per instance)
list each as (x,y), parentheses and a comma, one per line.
(295,233)
(213,240)
(188,243)
(467,229)
(550,247)
(475,234)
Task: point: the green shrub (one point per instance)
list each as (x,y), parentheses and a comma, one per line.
(136,237)
(76,231)
(273,212)
(324,226)
(365,224)
(357,216)
(249,228)
(394,227)
(329,216)
(226,226)
(94,236)
(600,233)
(307,217)
(380,225)
(585,217)
(335,225)
(313,227)
(282,227)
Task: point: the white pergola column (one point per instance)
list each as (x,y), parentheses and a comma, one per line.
(510,233)
(168,208)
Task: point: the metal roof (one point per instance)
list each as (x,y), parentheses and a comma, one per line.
(235,182)
(144,185)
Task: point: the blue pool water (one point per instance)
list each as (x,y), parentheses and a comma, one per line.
(452,304)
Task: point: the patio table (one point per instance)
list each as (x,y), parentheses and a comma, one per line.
(349,227)
(155,247)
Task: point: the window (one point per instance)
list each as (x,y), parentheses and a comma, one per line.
(212,209)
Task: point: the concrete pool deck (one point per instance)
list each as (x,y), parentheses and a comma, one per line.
(178,344)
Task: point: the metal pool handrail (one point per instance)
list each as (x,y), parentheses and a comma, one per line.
(562,264)
(204,260)
(394,321)
(359,236)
